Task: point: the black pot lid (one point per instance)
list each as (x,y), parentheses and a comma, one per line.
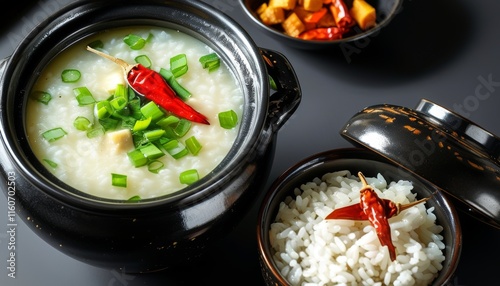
(442,147)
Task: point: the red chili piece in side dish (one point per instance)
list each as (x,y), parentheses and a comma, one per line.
(330,33)
(153,86)
(341,14)
(376,210)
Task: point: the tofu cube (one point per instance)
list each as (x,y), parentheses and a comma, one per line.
(119,141)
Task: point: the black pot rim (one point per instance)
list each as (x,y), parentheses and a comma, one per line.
(228,38)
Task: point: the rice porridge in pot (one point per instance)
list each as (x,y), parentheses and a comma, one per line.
(309,249)
(100,163)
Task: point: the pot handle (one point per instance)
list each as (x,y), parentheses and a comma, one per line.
(286,99)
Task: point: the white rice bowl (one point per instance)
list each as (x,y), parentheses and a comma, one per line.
(309,250)
(86,164)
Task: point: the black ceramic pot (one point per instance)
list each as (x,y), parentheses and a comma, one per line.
(156,233)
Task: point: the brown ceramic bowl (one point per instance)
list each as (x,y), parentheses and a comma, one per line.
(386,10)
(370,164)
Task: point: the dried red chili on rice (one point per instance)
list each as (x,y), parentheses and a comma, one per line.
(376,210)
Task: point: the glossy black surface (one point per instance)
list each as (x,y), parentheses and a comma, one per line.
(440,50)
(370,164)
(386,10)
(438,145)
(473,134)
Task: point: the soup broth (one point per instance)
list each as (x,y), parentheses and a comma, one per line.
(86,162)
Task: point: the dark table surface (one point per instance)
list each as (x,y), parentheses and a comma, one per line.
(438,50)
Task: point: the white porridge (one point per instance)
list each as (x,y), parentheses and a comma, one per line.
(87,162)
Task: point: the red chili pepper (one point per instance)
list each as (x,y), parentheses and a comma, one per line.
(330,33)
(376,210)
(153,86)
(341,14)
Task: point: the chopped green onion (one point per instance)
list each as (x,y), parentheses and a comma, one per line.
(166,121)
(83,96)
(155,166)
(142,124)
(70,75)
(170,144)
(152,110)
(176,149)
(41,96)
(120,98)
(189,177)
(118,180)
(179,65)
(180,90)
(169,132)
(151,152)
(163,140)
(95,132)
(97,44)
(137,158)
(193,145)
(210,61)
(135,198)
(103,109)
(120,91)
(131,94)
(138,139)
(143,60)
(53,134)
(82,123)
(118,103)
(135,108)
(109,123)
(182,127)
(50,163)
(154,135)
(228,119)
(134,42)
(272,83)
(128,122)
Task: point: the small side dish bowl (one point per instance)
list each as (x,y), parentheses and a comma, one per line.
(385,11)
(282,198)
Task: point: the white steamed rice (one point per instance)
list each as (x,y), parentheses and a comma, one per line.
(310,250)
